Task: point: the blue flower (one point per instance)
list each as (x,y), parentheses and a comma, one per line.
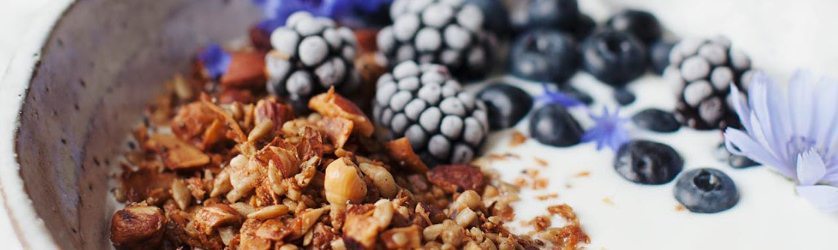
(609,130)
(277,11)
(558,97)
(215,60)
(794,133)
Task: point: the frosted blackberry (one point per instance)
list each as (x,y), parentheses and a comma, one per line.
(704,70)
(426,105)
(310,54)
(447,32)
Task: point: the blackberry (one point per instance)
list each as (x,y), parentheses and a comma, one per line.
(704,70)
(310,55)
(426,105)
(438,31)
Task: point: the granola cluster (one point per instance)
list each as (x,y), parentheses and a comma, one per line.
(237,169)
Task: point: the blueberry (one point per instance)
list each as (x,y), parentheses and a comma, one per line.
(648,162)
(544,55)
(656,120)
(739,162)
(496,16)
(583,27)
(576,93)
(553,125)
(641,24)
(659,55)
(551,14)
(614,57)
(735,161)
(624,96)
(506,105)
(706,190)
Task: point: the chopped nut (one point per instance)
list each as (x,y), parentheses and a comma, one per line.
(246,70)
(213,216)
(468,199)
(260,131)
(361,226)
(137,226)
(177,154)
(402,238)
(343,183)
(403,153)
(181,194)
(466,217)
(331,104)
(268,212)
(221,184)
(454,178)
(337,129)
(269,109)
(384,212)
(382,179)
(243,208)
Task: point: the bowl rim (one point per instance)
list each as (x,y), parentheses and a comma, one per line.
(28,228)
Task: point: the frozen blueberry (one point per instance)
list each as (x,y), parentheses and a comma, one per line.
(553,125)
(505,104)
(641,24)
(659,55)
(735,161)
(498,16)
(614,57)
(551,14)
(706,190)
(544,55)
(656,120)
(583,27)
(576,93)
(648,162)
(624,96)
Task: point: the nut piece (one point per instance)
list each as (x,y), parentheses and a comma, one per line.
(402,238)
(382,179)
(176,153)
(457,178)
(209,217)
(403,153)
(137,227)
(330,104)
(343,183)
(245,70)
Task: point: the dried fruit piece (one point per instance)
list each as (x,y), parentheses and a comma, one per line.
(176,153)
(457,178)
(330,104)
(137,226)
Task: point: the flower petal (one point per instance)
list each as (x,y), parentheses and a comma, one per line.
(802,105)
(740,105)
(745,145)
(810,168)
(825,198)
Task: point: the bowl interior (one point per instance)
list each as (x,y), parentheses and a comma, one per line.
(102,63)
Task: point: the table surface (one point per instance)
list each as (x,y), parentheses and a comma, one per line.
(780,35)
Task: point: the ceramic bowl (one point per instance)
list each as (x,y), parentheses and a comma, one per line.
(92,76)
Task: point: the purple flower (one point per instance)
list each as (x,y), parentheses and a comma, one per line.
(215,60)
(558,97)
(277,11)
(794,133)
(609,130)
